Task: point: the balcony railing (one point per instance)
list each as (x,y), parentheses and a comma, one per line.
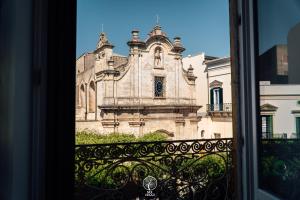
(189,169)
(225,107)
(269,135)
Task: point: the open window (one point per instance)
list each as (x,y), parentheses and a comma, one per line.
(269,92)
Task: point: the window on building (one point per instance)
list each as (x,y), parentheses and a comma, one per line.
(217,135)
(278,83)
(159,87)
(202,133)
(216,99)
(267,126)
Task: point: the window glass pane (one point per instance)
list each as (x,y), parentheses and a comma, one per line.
(279,92)
(159,87)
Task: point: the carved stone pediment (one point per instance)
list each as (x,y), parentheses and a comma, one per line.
(215,83)
(268,107)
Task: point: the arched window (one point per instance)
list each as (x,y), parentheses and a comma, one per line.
(202,133)
(82,96)
(92,103)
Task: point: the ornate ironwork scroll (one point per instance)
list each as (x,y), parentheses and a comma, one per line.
(189,169)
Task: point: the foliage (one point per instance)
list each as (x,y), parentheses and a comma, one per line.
(113,174)
(152,136)
(89,137)
(280,164)
(206,169)
(284,169)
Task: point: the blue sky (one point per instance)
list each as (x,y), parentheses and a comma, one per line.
(276,18)
(203,25)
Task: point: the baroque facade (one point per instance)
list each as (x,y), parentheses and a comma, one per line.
(147,91)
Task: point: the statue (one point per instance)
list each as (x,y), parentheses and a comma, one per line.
(157,57)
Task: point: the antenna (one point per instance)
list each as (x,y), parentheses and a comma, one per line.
(102,29)
(157,19)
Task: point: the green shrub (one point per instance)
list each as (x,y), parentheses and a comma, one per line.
(194,167)
(213,166)
(89,137)
(153,136)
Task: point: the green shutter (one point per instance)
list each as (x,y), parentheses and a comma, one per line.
(298,127)
(270,126)
(221,98)
(211,99)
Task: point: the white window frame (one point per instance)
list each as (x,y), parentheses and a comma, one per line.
(248,104)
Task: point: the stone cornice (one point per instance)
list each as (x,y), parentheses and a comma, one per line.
(150,107)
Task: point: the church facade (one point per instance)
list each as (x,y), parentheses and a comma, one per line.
(149,90)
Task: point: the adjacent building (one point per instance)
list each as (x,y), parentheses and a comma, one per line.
(280,110)
(213,87)
(273,65)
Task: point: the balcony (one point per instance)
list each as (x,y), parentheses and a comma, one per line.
(219,110)
(268,135)
(183,169)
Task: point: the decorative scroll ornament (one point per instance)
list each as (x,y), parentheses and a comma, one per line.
(190,169)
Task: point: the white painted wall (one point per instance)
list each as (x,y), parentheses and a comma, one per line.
(221,72)
(285,97)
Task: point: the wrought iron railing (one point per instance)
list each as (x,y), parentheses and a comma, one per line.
(190,169)
(225,107)
(270,135)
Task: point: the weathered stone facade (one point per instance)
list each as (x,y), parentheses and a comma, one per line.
(147,91)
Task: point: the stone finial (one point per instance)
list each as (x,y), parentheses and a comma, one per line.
(177,41)
(156,31)
(190,70)
(103,41)
(135,35)
(135,39)
(190,73)
(178,47)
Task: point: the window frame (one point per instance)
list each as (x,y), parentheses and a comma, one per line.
(249,100)
(163,88)
(54,61)
(269,119)
(216,92)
